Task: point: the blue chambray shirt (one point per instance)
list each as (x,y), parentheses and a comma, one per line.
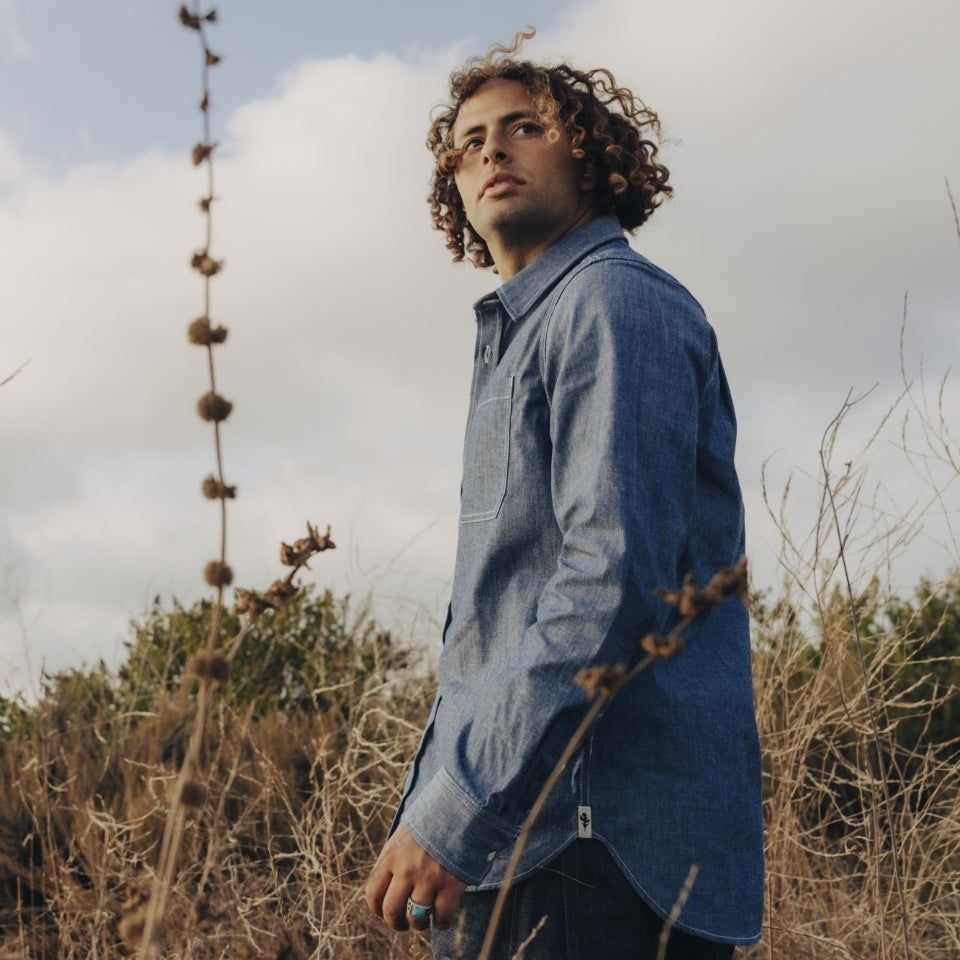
(597,466)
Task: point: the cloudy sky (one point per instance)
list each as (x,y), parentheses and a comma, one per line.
(808,144)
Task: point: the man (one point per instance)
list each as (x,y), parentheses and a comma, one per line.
(598,466)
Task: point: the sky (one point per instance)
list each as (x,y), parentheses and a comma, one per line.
(808,145)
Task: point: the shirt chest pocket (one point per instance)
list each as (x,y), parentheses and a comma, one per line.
(486,456)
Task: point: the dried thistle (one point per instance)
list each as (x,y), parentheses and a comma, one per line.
(691,602)
(213,489)
(188,19)
(131,922)
(297,554)
(218,574)
(209,667)
(130,927)
(193,794)
(280,591)
(204,202)
(255,604)
(658,646)
(596,680)
(214,408)
(203,263)
(203,335)
(730,582)
(201,151)
(252,603)
(136,896)
(211,58)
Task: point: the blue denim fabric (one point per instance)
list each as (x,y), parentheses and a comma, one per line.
(597,466)
(579,907)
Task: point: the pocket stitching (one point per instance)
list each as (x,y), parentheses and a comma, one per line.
(493,512)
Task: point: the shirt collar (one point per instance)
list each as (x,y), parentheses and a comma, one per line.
(524,289)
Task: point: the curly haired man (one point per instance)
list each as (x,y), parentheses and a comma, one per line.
(598,466)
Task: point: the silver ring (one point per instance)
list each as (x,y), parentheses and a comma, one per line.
(419,911)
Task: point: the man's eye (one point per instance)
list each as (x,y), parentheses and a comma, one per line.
(474,143)
(527,128)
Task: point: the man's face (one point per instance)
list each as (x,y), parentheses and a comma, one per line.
(521,189)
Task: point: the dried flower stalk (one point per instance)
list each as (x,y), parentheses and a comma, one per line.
(142,926)
(209,668)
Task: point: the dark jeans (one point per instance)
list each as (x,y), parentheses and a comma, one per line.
(592,913)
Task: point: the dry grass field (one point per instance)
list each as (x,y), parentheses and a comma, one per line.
(305,751)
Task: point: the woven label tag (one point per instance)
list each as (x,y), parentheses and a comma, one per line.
(584,823)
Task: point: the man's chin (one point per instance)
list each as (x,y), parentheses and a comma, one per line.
(516,225)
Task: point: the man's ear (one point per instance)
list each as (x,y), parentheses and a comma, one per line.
(588,178)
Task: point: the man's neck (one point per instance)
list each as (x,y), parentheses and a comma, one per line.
(511,259)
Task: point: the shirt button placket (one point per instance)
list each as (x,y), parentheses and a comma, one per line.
(488,334)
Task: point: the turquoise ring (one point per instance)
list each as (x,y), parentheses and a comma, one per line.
(417,910)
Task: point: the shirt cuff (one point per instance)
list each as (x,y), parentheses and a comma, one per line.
(455,830)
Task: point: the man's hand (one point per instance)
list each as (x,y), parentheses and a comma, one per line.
(404,869)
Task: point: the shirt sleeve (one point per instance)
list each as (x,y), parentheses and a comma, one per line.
(626,358)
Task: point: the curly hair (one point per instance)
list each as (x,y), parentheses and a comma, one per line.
(606,125)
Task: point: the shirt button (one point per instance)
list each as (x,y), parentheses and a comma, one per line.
(486,354)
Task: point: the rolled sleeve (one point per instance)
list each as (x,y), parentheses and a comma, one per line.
(455,830)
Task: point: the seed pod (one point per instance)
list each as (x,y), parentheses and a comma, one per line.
(252,603)
(597,680)
(215,667)
(202,334)
(188,19)
(659,646)
(203,263)
(218,574)
(194,794)
(213,489)
(214,408)
(280,591)
(200,152)
(130,928)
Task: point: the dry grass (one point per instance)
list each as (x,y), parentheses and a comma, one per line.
(298,797)
(833,845)
(270,865)
(862,792)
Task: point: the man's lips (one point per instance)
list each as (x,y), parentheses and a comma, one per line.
(500,183)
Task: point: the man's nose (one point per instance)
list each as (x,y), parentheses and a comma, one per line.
(494,149)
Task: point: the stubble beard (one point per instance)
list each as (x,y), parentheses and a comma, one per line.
(518,227)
